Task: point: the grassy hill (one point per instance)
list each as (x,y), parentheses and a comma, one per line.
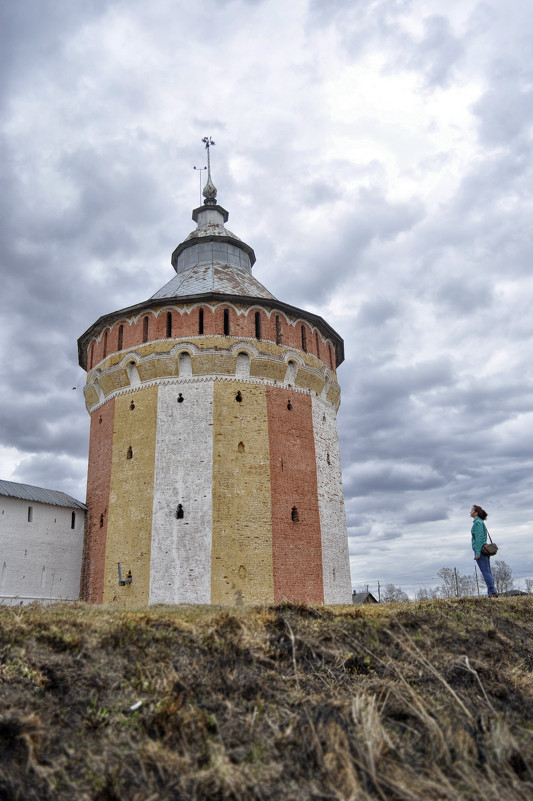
(410,701)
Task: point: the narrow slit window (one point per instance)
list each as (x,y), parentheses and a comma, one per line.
(289,405)
(101,521)
(91,356)
(169,324)
(226,322)
(317,344)
(330,356)
(240,447)
(132,406)
(120,343)
(304,339)
(73,520)
(30,514)
(129,454)
(145,329)
(238,397)
(179,512)
(258,325)
(200,321)
(294,515)
(278,330)
(105,344)
(180,398)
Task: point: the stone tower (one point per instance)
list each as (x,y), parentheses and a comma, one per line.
(214,470)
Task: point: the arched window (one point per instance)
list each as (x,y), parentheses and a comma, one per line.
(169,324)
(240,447)
(278,330)
(179,512)
(73,520)
(226,322)
(258,325)
(145,329)
(120,342)
(304,339)
(200,321)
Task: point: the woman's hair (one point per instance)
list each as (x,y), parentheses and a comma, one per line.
(480,512)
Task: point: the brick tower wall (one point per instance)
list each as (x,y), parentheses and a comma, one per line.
(258,478)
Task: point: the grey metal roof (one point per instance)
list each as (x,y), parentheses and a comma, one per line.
(38,494)
(215,277)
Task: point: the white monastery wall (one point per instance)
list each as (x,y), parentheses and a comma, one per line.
(180,570)
(40,559)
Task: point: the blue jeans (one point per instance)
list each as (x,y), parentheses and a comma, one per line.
(484,565)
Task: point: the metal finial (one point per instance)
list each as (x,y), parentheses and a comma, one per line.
(210,191)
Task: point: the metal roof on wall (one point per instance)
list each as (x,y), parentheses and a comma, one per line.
(12,489)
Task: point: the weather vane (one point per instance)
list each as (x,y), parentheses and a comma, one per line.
(210,192)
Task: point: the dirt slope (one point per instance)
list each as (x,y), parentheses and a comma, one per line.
(415,701)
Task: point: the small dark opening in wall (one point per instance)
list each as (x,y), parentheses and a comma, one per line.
(105,344)
(91,356)
(278,330)
(226,322)
(120,342)
(100,420)
(238,397)
(330,356)
(180,398)
(73,520)
(304,339)
(289,405)
(145,329)
(169,324)
(129,454)
(30,514)
(200,321)
(328,459)
(101,521)
(317,344)
(179,512)
(240,447)
(132,406)
(294,515)
(258,325)
(281,460)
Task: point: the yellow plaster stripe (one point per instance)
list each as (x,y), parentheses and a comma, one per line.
(129,528)
(241,566)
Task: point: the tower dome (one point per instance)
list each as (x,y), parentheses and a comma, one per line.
(214,470)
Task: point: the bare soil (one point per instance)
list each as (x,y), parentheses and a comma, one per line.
(401,701)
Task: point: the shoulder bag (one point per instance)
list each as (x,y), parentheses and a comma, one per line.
(489,549)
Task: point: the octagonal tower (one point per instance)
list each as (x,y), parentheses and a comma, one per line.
(214,469)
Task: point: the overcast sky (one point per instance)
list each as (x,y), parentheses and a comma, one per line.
(376,154)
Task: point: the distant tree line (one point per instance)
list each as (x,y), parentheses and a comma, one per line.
(456,584)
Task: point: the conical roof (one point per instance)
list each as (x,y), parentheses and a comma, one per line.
(212,258)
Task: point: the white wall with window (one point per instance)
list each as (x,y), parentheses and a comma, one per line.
(41,543)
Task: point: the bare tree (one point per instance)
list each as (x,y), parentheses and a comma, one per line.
(394,594)
(503,576)
(423,594)
(529,585)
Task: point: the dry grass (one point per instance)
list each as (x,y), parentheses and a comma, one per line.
(410,701)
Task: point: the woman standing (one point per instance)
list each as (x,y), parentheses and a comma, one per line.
(479,538)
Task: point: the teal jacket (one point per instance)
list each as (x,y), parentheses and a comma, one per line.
(479,535)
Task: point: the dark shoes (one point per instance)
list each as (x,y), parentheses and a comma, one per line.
(494,595)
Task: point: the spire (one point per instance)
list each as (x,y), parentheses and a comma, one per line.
(210,190)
